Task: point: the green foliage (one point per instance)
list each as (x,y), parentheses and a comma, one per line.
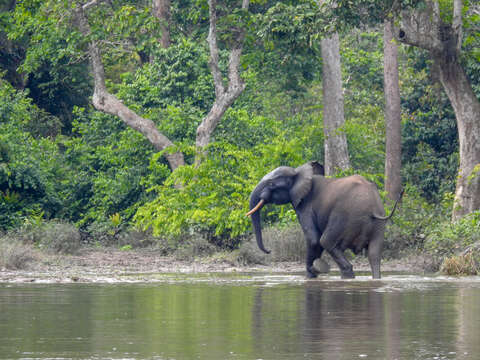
(362,66)
(126,247)
(178,75)
(366,149)
(243,129)
(290,33)
(212,198)
(448,238)
(29,167)
(108,162)
(348,14)
(55,72)
(104,177)
(51,236)
(430,144)
(413,220)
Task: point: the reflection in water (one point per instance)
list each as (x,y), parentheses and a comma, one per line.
(386,319)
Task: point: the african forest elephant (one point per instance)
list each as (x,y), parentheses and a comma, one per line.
(335,214)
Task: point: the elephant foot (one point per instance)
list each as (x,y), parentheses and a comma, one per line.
(311,275)
(348,275)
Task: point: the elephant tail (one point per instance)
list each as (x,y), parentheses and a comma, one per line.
(393,210)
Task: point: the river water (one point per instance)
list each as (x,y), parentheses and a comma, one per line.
(244,317)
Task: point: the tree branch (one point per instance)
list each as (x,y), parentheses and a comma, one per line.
(212,43)
(224,98)
(91,4)
(110,104)
(420,28)
(235,83)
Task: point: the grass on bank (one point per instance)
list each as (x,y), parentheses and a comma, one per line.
(461,265)
(14,255)
(21,247)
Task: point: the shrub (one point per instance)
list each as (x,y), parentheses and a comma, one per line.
(107,164)
(53,236)
(449,238)
(60,237)
(465,264)
(286,244)
(250,254)
(14,254)
(411,222)
(142,239)
(194,247)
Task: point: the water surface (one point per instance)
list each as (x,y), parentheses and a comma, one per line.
(244,317)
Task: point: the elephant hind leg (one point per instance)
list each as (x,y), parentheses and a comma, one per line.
(346,269)
(330,241)
(374,254)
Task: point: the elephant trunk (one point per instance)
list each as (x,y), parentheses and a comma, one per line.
(256,203)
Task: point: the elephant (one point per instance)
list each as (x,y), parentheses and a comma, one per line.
(335,213)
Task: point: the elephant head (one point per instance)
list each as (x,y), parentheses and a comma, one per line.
(281,186)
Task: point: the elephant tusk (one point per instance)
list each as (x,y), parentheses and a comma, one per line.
(258,206)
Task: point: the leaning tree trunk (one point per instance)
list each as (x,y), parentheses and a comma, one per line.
(393,142)
(336,148)
(110,104)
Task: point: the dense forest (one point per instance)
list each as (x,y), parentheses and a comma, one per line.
(154,119)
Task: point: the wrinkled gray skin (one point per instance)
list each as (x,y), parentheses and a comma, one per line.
(335,214)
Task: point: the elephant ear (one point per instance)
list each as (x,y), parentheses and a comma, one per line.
(303,183)
(318,168)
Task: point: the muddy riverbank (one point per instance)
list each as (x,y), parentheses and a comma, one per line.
(115,265)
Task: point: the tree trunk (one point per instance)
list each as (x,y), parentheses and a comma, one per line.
(161,10)
(425,28)
(467,112)
(110,104)
(393,146)
(336,148)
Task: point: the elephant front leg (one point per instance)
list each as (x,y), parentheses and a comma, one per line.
(313,252)
(314,249)
(312,236)
(311,256)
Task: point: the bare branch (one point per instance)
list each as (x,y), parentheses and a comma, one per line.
(91,4)
(212,43)
(235,82)
(224,98)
